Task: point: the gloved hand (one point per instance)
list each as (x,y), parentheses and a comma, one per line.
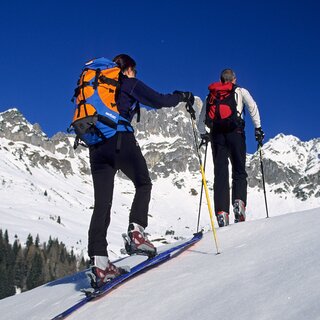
(259,134)
(205,139)
(187,97)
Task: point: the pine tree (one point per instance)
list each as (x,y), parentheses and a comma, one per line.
(20,271)
(29,242)
(6,237)
(29,267)
(6,266)
(35,276)
(37,242)
(16,248)
(2,248)
(50,242)
(6,285)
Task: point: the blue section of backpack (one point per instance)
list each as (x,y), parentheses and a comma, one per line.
(102,129)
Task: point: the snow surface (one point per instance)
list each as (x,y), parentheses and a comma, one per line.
(267,269)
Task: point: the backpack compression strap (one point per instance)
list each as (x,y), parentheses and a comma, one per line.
(98,77)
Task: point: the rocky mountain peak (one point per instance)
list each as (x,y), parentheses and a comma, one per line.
(291,165)
(15,127)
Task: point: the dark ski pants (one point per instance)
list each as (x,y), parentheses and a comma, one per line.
(105,159)
(229,146)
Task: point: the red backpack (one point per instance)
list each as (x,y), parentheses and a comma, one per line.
(221,112)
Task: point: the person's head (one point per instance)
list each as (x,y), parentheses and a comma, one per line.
(126,64)
(228,75)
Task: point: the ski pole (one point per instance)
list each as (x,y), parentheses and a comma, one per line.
(204,184)
(204,169)
(263,180)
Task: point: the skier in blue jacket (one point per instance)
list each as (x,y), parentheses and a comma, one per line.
(122,152)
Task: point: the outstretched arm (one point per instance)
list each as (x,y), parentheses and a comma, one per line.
(149,97)
(252,107)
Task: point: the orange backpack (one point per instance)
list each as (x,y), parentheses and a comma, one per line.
(96,115)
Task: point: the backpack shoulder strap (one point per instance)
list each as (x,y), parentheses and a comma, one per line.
(236,96)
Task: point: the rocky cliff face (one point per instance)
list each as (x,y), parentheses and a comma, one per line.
(52,152)
(167,141)
(15,127)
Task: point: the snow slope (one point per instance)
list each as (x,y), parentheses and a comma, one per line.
(24,209)
(46,186)
(267,269)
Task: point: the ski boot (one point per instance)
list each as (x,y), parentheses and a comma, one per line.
(223,219)
(136,241)
(102,271)
(239,210)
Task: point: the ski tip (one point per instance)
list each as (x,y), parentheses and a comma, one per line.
(198,234)
(88,291)
(123,251)
(124,269)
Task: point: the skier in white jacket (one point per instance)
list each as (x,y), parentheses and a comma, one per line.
(223,112)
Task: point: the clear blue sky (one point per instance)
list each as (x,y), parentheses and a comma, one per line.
(273,46)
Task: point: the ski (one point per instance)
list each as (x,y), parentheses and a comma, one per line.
(149,263)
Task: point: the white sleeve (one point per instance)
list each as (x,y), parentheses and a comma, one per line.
(251,106)
(202,117)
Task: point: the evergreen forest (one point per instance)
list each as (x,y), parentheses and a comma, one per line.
(25,267)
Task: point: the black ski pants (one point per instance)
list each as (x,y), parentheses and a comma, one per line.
(229,146)
(120,152)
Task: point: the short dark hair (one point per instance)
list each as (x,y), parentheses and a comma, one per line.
(227,75)
(124,61)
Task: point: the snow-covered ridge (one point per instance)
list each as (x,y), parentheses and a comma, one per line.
(32,165)
(290,151)
(292,166)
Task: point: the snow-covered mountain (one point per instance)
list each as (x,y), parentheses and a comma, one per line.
(292,166)
(46,186)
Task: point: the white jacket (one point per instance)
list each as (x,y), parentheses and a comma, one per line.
(243,98)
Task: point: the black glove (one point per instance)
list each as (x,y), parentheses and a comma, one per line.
(259,134)
(187,97)
(205,139)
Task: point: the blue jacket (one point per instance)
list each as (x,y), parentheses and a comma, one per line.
(133,90)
